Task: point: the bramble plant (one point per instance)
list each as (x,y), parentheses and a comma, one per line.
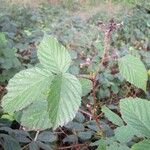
(48,88)
(48,96)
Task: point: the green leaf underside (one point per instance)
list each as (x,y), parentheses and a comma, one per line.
(114,118)
(53,55)
(26,87)
(36,117)
(144,145)
(134,71)
(64,99)
(86,86)
(136,113)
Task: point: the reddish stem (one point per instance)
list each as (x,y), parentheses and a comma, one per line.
(86,113)
(95,105)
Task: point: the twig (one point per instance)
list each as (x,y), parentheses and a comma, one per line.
(24,147)
(86,76)
(36,136)
(100,115)
(86,113)
(62,131)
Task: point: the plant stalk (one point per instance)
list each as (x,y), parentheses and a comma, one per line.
(36,135)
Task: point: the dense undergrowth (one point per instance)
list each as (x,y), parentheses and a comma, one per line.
(21,30)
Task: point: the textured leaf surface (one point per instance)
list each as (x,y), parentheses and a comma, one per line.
(36,117)
(117,146)
(70,139)
(34,146)
(21,136)
(64,99)
(136,113)
(75,126)
(53,55)
(86,86)
(125,134)
(101,145)
(44,146)
(86,135)
(9,143)
(26,87)
(37,145)
(134,71)
(79,117)
(144,145)
(47,136)
(114,118)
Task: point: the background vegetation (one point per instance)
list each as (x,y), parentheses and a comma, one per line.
(75,25)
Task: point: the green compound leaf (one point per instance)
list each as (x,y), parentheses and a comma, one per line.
(136,113)
(26,87)
(86,86)
(114,118)
(62,91)
(64,99)
(144,145)
(36,117)
(53,55)
(134,71)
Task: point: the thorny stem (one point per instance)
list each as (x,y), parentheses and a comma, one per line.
(95,105)
(108,29)
(94,94)
(107,36)
(106,47)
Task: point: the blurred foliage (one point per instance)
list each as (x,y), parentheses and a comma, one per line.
(20,33)
(9,63)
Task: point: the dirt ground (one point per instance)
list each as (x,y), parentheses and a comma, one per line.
(108,8)
(88,8)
